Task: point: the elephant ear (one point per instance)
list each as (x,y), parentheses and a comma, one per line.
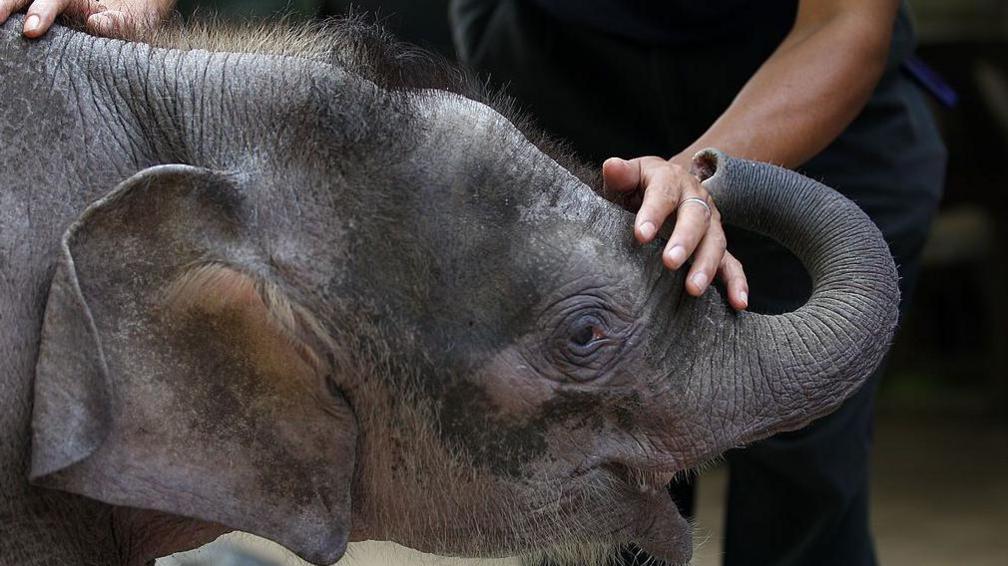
(173,375)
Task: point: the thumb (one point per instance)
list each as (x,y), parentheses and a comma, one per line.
(621,175)
(110,23)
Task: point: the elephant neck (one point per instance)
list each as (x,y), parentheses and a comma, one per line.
(42,527)
(48,527)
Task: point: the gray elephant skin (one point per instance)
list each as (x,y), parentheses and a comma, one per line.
(300,286)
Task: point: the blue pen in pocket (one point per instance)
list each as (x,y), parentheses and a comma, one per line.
(931,81)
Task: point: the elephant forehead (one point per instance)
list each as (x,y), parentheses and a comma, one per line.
(535,184)
(461,115)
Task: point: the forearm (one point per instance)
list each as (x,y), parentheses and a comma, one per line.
(807,92)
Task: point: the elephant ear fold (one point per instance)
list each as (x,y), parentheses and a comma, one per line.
(175,374)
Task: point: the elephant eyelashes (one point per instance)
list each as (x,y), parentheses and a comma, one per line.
(585,331)
(586,343)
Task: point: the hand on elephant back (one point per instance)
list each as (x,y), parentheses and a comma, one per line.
(109,18)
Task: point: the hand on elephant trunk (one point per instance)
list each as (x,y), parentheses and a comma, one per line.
(668,189)
(108,18)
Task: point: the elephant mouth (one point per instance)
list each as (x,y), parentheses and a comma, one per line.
(645,480)
(656,524)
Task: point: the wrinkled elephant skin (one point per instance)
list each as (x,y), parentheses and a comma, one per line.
(303,296)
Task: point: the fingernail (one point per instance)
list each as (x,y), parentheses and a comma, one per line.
(743,297)
(700,280)
(32,24)
(676,254)
(647,230)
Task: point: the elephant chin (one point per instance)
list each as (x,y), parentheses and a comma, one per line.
(646,514)
(662,531)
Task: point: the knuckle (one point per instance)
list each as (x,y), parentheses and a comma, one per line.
(695,239)
(670,188)
(701,217)
(689,239)
(690,189)
(708,265)
(648,165)
(716,229)
(663,191)
(732,271)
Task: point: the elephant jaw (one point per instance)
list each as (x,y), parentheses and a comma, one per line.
(657,525)
(660,529)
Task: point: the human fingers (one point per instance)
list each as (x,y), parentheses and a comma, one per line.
(621,174)
(109,23)
(121,18)
(8,7)
(41,15)
(733,276)
(621,181)
(663,184)
(707,253)
(693,220)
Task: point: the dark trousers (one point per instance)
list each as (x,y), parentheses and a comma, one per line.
(799,498)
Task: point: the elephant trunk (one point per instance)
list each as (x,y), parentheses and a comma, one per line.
(794,367)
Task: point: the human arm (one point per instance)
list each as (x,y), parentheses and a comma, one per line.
(105,17)
(797,102)
(810,89)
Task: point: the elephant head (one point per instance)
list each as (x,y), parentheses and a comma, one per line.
(400,320)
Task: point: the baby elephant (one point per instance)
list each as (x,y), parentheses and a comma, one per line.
(305,287)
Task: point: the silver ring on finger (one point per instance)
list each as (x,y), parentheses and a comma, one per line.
(699,201)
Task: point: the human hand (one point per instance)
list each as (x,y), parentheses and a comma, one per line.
(109,18)
(670,190)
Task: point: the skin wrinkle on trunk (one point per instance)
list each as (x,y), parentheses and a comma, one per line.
(820,353)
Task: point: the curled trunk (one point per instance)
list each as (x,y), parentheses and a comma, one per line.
(802,364)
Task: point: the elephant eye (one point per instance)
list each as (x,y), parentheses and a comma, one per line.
(586,330)
(587,339)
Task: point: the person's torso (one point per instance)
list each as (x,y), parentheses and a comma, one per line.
(676,21)
(689,22)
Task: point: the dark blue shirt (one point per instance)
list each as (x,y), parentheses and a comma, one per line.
(677,21)
(762,24)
